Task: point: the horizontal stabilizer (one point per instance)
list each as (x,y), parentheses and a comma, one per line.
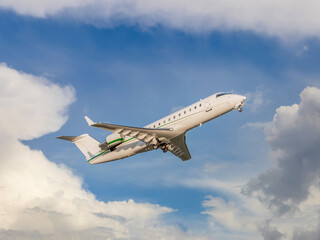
(70,138)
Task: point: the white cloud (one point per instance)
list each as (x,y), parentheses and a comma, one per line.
(40,199)
(270,232)
(31,106)
(227,214)
(290,189)
(244,217)
(39,8)
(286,18)
(293,137)
(231,215)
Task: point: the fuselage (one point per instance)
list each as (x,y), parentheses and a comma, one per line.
(181,121)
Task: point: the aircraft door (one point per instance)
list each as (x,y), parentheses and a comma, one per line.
(207,105)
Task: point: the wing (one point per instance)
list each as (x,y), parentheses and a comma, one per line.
(147,135)
(179,148)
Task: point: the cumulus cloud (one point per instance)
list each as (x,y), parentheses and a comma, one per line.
(40,199)
(307,235)
(244,217)
(294,137)
(228,214)
(270,232)
(285,18)
(31,106)
(290,189)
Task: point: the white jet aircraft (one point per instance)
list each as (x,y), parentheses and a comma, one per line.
(167,133)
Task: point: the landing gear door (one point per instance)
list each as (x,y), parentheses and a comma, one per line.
(207,105)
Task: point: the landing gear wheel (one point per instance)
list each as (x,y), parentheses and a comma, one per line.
(164,148)
(240,109)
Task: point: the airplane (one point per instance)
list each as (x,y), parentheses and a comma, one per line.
(167,134)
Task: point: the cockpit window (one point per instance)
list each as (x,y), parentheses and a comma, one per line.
(221,94)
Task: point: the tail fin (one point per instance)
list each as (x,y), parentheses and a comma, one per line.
(87,145)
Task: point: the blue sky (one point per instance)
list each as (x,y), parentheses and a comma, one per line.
(133,69)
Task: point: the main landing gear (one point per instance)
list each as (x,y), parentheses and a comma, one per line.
(162,146)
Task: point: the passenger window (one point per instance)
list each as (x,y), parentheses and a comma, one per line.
(154,126)
(200,105)
(189,109)
(164,121)
(185,112)
(159,124)
(169,119)
(174,117)
(195,107)
(179,114)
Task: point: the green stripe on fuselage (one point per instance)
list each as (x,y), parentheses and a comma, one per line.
(116,140)
(98,155)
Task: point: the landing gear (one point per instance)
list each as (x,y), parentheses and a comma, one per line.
(157,145)
(162,146)
(239,105)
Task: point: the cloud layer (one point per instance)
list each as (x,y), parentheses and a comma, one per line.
(287,18)
(42,199)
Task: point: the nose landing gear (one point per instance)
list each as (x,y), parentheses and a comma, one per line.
(239,106)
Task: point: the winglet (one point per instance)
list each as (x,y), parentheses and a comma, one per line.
(89,121)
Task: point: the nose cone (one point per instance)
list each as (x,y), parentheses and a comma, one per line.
(243,98)
(238,102)
(240,98)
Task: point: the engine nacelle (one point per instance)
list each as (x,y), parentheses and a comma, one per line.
(114,139)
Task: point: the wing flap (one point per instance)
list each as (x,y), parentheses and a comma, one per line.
(179,148)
